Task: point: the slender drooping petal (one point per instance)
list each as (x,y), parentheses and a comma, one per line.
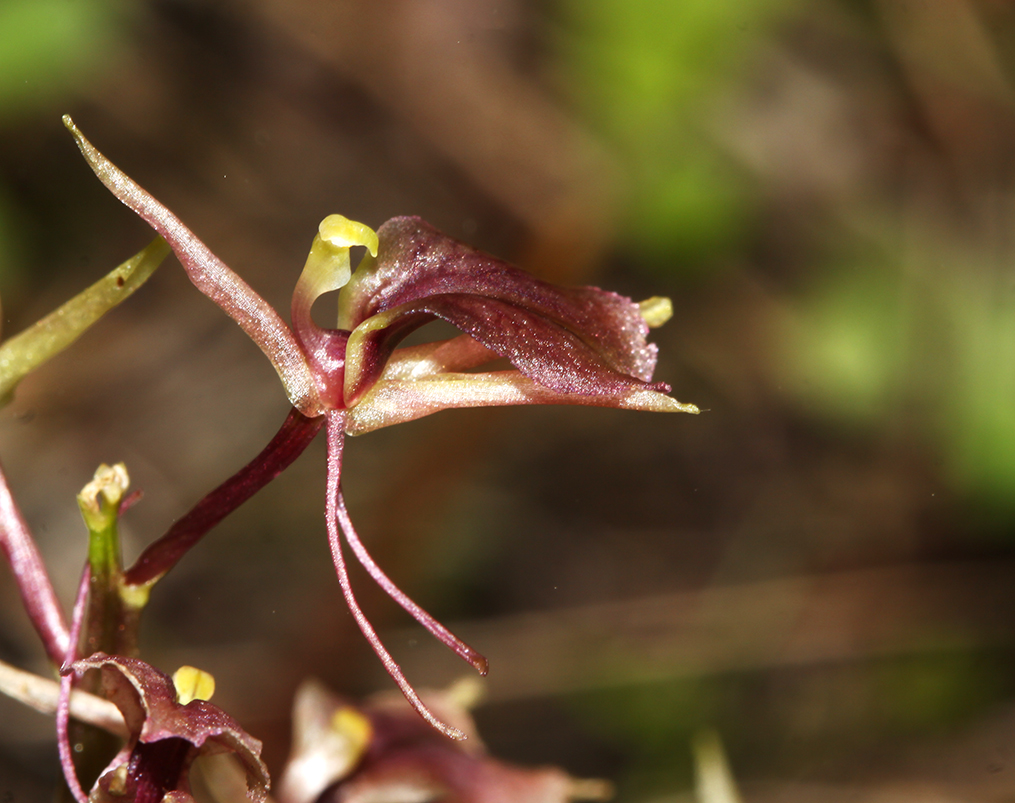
(333,505)
(213,278)
(441,633)
(582,341)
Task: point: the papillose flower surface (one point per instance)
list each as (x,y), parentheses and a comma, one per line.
(566,345)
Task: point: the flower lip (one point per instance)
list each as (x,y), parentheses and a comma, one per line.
(543,349)
(416,261)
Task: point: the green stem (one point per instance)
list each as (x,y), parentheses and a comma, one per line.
(114,609)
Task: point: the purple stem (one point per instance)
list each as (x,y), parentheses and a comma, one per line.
(36,590)
(66,686)
(336,442)
(295,435)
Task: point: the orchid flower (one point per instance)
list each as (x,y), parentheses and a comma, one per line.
(170,723)
(379,750)
(566,345)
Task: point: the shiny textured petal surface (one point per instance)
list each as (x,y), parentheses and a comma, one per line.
(395,401)
(541,347)
(420,273)
(213,278)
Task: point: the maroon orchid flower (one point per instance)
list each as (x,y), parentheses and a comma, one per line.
(169,727)
(567,346)
(346,753)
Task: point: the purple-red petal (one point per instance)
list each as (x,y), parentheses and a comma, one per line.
(542,348)
(417,264)
(213,278)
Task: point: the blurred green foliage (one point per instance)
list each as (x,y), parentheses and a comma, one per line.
(871,343)
(766,720)
(922,694)
(654,723)
(844,346)
(48,47)
(977,417)
(646,75)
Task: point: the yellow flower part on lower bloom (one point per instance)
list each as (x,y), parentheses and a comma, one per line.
(354,727)
(193,684)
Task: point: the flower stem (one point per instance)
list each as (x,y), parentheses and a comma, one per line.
(49,336)
(34,585)
(67,674)
(42,694)
(295,435)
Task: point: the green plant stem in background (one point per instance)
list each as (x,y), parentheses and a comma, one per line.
(48,337)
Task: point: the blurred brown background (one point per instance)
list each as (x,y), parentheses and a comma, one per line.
(820,567)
